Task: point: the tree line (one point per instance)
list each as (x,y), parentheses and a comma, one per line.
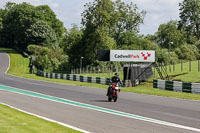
(105,24)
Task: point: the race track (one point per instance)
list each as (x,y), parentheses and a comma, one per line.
(130,111)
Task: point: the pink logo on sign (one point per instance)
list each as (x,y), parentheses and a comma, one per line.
(146,55)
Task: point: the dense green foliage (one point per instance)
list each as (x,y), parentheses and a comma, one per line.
(106,24)
(168,35)
(175,44)
(24,24)
(189,15)
(48,59)
(41,33)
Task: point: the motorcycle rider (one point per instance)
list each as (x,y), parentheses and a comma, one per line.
(114,79)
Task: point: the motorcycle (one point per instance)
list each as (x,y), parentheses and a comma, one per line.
(114,92)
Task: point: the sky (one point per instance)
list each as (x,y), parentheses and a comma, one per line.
(69,11)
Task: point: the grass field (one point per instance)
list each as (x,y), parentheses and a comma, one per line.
(13,121)
(184,74)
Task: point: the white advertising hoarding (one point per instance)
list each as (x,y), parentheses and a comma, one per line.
(132,55)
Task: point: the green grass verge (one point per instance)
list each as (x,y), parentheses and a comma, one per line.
(18,64)
(145,88)
(13,121)
(185,74)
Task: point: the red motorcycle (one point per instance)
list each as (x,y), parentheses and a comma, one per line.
(114,92)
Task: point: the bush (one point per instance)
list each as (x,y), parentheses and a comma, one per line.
(188,52)
(162,56)
(173,58)
(179,53)
(47,59)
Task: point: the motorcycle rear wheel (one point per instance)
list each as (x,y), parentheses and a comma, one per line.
(109,99)
(115,98)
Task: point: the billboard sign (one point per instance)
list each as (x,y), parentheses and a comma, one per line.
(132,55)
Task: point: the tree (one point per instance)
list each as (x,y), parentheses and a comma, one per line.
(47,15)
(9,5)
(97,19)
(41,33)
(127,38)
(73,46)
(20,18)
(2,15)
(190,17)
(1,26)
(127,18)
(72,37)
(168,36)
(139,43)
(104,22)
(150,37)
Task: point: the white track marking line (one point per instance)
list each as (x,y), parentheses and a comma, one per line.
(45,118)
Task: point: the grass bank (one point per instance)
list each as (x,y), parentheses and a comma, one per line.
(19,67)
(13,121)
(185,72)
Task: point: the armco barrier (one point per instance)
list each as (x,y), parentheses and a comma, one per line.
(177,86)
(72,77)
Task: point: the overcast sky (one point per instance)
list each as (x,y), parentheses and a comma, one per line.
(69,11)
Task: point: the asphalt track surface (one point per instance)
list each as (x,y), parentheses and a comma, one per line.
(184,113)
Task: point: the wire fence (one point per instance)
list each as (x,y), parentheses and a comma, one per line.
(189,66)
(108,71)
(98,69)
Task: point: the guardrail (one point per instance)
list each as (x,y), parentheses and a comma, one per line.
(73,77)
(177,86)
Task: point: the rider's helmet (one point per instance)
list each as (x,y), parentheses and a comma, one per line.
(117,74)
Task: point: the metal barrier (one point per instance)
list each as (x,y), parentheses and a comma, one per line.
(73,77)
(177,86)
